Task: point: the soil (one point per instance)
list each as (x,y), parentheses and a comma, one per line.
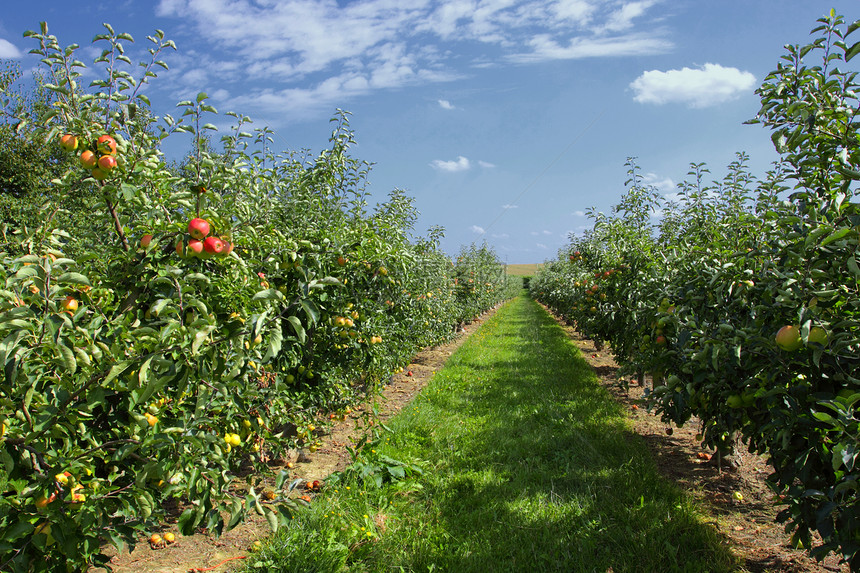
(748,525)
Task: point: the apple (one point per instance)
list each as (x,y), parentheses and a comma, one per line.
(198,228)
(155,539)
(169,537)
(660,340)
(194,248)
(145,241)
(42,501)
(106,145)
(107,163)
(228,247)
(341,260)
(818,335)
(213,245)
(180,249)
(99,174)
(69,142)
(78,497)
(70,304)
(788,338)
(88,159)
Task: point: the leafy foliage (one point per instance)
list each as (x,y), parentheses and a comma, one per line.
(698,300)
(137,372)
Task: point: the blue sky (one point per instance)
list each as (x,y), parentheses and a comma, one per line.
(504,119)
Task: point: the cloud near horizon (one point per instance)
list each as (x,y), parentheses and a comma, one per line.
(706,86)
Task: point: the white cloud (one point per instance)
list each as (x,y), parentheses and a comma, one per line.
(545,47)
(459,164)
(579,213)
(8,50)
(318,54)
(477,230)
(622,19)
(664,185)
(706,86)
(545,232)
(510,206)
(486,164)
(577,11)
(501,236)
(541,246)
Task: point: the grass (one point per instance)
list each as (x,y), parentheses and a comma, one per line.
(530,466)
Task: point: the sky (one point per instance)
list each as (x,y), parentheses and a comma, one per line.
(506,120)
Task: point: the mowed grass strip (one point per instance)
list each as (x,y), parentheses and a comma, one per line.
(529,466)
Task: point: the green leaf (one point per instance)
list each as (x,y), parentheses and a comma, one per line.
(200,337)
(67,355)
(272,518)
(311,310)
(128,191)
(276,339)
(73,279)
(297,328)
(836,236)
(268,294)
(117,369)
(187,522)
(852,51)
(144,504)
(853,267)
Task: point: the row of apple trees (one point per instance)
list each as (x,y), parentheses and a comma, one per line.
(742,299)
(164,325)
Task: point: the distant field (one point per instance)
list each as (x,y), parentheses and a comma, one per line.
(524,270)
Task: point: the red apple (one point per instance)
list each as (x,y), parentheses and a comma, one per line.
(228,247)
(198,228)
(660,340)
(107,163)
(145,241)
(89,159)
(180,249)
(106,144)
(195,248)
(69,142)
(213,245)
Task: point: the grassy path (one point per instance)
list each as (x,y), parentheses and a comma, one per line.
(530,466)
